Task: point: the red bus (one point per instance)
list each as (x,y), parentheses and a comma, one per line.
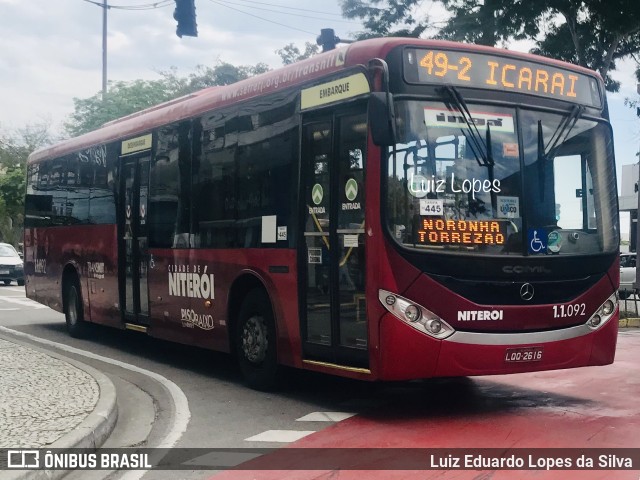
(395,209)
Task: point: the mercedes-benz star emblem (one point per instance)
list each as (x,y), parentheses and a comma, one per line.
(526,292)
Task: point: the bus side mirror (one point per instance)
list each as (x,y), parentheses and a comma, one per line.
(382,118)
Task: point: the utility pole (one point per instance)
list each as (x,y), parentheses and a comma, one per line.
(104,48)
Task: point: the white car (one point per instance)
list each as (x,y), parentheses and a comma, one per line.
(627,275)
(11,267)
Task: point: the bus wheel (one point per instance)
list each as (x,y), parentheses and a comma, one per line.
(255,341)
(73,312)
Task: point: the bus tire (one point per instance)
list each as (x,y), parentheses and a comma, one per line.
(74,310)
(255,341)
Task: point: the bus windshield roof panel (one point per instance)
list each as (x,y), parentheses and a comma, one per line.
(497,72)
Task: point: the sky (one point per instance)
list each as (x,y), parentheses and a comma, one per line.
(51,51)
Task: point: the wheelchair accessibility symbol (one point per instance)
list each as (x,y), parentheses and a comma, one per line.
(537,240)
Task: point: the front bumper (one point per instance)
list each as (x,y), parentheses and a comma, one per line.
(407,354)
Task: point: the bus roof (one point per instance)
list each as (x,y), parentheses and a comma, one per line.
(197,103)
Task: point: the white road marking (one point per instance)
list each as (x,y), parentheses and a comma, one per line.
(182,413)
(281,436)
(14,289)
(25,302)
(325,417)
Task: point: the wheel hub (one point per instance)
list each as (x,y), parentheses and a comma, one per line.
(254,339)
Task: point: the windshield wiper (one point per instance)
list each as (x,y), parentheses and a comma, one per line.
(481,150)
(562,132)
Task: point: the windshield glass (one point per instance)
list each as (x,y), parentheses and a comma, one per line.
(461,179)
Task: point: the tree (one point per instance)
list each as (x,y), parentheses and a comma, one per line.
(591,33)
(492,22)
(123,98)
(15,147)
(291,54)
(382,18)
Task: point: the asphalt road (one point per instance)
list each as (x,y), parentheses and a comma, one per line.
(223,413)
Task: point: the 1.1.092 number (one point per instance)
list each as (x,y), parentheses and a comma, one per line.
(438,64)
(571,310)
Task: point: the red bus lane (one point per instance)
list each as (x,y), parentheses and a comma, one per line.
(590,411)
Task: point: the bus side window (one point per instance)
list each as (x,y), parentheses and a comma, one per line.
(169,186)
(267,147)
(214,185)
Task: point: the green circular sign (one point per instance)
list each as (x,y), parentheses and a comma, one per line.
(554,241)
(317,193)
(351,189)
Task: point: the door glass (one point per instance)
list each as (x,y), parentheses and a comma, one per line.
(317,153)
(350,229)
(142,235)
(128,179)
(135,183)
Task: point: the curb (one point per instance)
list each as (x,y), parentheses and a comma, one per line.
(630,323)
(90,434)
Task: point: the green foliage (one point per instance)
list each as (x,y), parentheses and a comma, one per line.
(12,188)
(14,149)
(491,22)
(591,33)
(383,18)
(291,54)
(124,98)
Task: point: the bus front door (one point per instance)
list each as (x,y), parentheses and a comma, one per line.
(132,245)
(332,260)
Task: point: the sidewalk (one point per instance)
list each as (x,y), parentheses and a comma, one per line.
(50,401)
(630,323)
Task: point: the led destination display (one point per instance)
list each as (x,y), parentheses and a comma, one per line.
(481,70)
(462,232)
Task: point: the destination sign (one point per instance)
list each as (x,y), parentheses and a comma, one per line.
(482,70)
(462,232)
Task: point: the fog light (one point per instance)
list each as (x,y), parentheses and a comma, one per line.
(412,313)
(595,320)
(435,326)
(390,300)
(608,307)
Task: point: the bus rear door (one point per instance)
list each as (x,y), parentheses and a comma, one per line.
(133,245)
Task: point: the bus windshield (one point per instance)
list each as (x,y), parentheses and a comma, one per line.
(473,178)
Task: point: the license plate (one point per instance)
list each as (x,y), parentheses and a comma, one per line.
(523,354)
(4,272)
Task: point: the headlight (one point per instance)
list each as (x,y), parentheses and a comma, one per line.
(608,307)
(415,315)
(412,313)
(604,313)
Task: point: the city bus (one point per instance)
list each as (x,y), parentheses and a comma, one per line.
(394,209)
